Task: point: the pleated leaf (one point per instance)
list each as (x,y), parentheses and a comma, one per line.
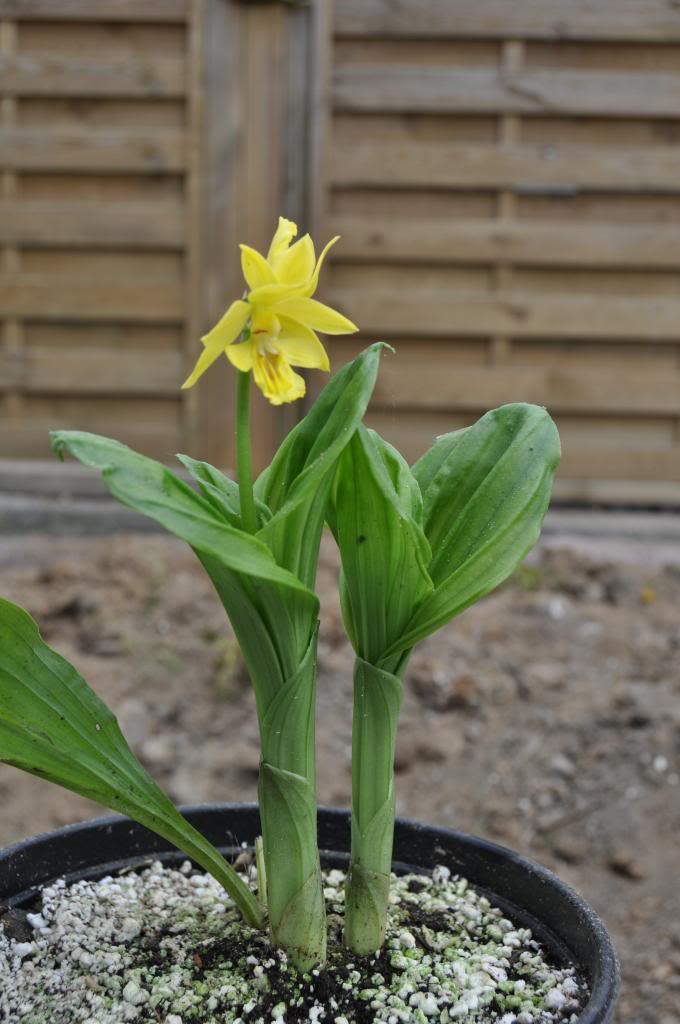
(54,726)
(296,485)
(150,488)
(221,491)
(376,516)
(485,492)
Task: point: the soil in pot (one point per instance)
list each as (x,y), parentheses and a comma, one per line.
(165,945)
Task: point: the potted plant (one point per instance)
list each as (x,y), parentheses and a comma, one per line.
(106,921)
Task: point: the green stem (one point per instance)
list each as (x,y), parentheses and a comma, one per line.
(285,703)
(377,702)
(261,872)
(287,792)
(244,462)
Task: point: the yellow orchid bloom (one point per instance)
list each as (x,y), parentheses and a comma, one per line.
(276,321)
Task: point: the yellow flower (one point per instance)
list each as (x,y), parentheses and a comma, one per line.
(276,321)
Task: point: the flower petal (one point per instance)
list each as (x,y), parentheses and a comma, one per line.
(283,236)
(255,268)
(314,279)
(300,346)
(269,294)
(219,338)
(296,265)
(315,315)
(241,355)
(229,327)
(205,360)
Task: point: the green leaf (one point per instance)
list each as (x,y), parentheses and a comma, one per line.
(54,726)
(485,491)
(295,487)
(222,493)
(150,488)
(376,516)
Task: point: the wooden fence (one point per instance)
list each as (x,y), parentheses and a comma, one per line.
(506,179)
(505,176)
(140,140)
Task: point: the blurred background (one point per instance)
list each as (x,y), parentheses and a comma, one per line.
(506,181)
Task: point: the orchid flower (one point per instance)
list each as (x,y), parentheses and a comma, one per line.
(273,328)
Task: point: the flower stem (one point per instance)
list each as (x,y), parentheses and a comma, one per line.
(244,462)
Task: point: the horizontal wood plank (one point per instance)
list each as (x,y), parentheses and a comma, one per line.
(654,21)
(58,75)
(54,479)
(546,169)
(395,88)
(514,314)
(153,224)
(151,150)
(642,494)
(159,338)
(82,371)
(96,10)
(432,385)
(58,297)
(600,463)
(29,438)
(533,243)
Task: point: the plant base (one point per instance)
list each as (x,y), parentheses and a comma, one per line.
(526,894)
(169,943)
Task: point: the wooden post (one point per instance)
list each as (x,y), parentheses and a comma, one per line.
(250,138)
(12,333)
(512,55)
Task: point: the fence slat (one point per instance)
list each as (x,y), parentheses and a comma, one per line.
(55,297)
(153,149)
(58,75)
(413,435)
(433,385)
(156,224)
(532,243)
(652,21)
(515,314)
(127,420)
(82,371)
(73,371)
(529,169)
(95,10)
(626,492)
(389,88)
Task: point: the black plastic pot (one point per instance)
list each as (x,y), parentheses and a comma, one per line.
(529,894)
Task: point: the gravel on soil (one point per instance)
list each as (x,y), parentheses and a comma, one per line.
(168,945)
(546,718)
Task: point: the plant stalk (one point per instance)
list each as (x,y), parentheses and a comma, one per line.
(261,872)
(285,704)
(244,461)
(377,703)
(287,793)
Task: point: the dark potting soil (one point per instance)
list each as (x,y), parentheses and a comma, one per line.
(168,945)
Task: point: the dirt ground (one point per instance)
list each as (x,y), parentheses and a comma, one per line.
(547,718)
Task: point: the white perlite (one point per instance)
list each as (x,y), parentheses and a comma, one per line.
(166,946)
